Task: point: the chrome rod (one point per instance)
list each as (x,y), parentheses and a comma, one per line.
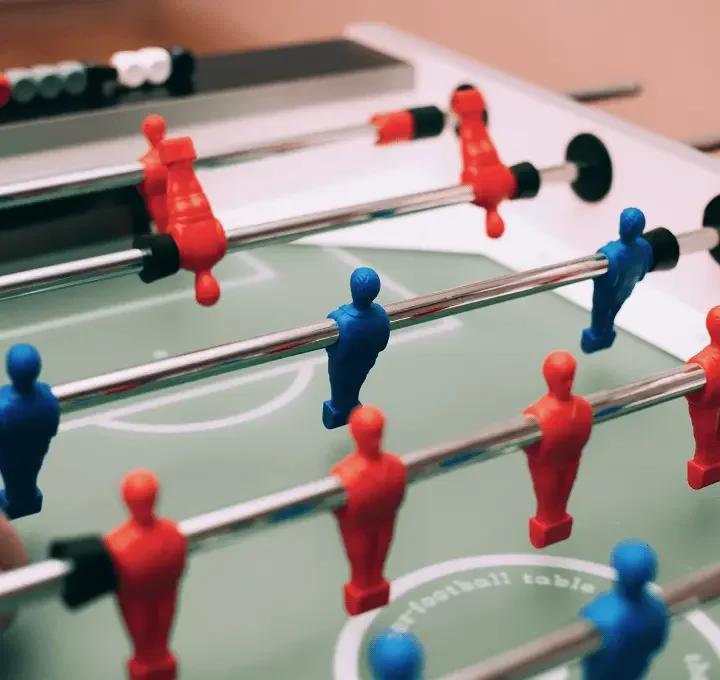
(289,229)
(70,184)
(73,273)
(205,363)
(213,361)
(267,233)
(581,637)
(207,531)
(94,180)
(280,146)
(697,240)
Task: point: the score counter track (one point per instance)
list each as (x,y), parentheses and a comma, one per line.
(269,605)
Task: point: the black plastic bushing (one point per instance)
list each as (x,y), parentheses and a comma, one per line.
(711,218)
(665,246)
(163,258)
(594,167)
(428,121)
(527,178)
(93,573)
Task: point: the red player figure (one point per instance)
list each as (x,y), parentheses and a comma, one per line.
(704,468)
(491,180)
(199,236)
(149,556)
(374,482)
(154,185)
(565,422)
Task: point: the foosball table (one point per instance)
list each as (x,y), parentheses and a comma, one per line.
(298,315)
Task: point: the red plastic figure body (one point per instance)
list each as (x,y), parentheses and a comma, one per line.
(154,185)
(394,126)
(565,421)
(704,468)
(149,555)
(374,482)
(199,236)
(491,180)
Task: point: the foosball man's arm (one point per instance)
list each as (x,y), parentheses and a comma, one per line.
(395,655)
(404,126)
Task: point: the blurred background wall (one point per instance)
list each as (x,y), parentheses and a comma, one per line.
(667,45)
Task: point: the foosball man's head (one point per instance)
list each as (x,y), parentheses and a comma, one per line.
(396,656)
(467,99)
(364,286)
(712,323)
(139,491)
(154,128)
(23,364)
(636,566)
(632,223)
(559,372)
(366,427)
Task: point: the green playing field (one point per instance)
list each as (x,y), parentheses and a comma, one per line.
(269,605)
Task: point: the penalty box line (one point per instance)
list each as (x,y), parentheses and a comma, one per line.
(110,418)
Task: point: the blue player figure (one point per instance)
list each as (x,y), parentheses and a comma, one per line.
(632,621)
(629,259)
(364,330)
(396,656)
(29,418)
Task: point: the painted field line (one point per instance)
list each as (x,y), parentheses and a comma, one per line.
(348,649)
(303,370)
(261,272)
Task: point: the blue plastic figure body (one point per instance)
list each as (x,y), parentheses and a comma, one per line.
(364,330)
(629,259)
(633,622)
(29,418)
(396,656)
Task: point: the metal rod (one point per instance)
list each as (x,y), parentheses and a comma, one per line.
(94,180)
(581,637)
(206,531)
(281,231)
(267,233)
(73,273)
(99,179)
(185,368)
(205,363)
(70,184)
(598,94)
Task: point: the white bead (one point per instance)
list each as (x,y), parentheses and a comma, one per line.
(157,64)
(129,68)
